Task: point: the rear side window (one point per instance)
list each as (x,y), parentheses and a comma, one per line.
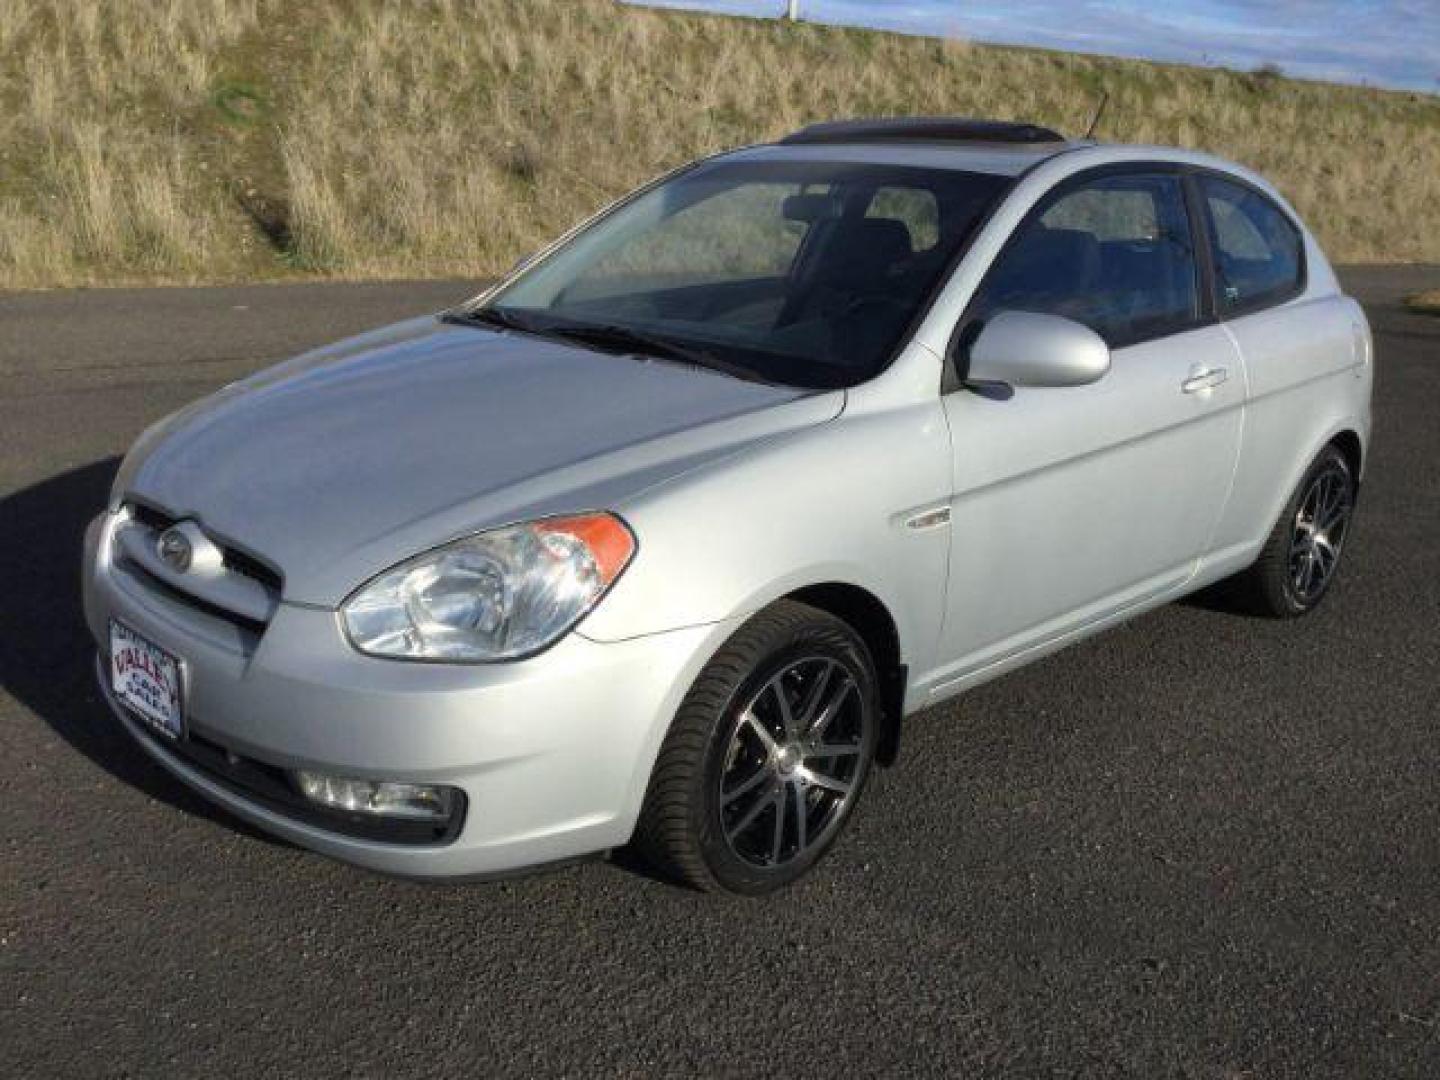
(1114,253)
(915,208)
(1258,253)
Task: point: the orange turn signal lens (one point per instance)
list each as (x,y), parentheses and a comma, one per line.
(609,539)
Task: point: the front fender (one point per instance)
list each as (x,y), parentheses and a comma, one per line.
(828,504)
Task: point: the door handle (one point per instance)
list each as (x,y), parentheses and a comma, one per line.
(1205,380)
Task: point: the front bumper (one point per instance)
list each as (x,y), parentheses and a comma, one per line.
(552,753)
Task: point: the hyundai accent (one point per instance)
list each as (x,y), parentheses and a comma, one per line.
(662,538)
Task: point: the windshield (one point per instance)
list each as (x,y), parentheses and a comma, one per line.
(801,273)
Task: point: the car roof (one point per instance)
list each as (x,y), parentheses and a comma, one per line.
(998,159)
(998,148)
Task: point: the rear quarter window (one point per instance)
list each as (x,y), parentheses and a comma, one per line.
(1258,252)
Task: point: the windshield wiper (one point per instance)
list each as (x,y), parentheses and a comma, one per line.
(499,318)
(625,340)
(603,336)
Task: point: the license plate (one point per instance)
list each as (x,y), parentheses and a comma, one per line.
(146,679)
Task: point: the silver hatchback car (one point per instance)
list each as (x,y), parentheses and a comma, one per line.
(661,538)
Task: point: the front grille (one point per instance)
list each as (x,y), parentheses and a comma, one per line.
(243,593)
(251,567)
(235,559)
(252,628)
(149,516)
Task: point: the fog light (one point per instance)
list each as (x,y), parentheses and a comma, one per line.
(416,802)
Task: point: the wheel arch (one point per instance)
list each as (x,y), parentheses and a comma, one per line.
(1341,434)
(868,616)
(1348,443)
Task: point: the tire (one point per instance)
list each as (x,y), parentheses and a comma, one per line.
(780,726)
(1297,566)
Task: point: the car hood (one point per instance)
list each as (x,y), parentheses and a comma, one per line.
(338,464)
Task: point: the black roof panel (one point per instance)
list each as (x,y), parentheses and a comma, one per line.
(922,129)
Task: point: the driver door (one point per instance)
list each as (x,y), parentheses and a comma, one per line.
(1073,504)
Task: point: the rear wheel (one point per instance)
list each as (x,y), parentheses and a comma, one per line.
(1299,560)
(767,755)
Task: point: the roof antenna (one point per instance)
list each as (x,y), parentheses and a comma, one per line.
(1099,112)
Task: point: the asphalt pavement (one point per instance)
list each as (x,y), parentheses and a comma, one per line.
(1200,845)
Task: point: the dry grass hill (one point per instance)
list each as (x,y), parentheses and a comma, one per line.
(190,140)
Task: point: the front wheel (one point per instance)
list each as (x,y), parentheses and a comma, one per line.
(767,755)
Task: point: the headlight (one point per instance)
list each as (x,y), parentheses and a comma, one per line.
(495,596)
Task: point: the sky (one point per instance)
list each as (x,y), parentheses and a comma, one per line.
(1393,43)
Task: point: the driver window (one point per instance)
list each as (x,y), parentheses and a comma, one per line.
(1114,254)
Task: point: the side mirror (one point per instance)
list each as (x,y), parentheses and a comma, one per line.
(1023,348)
